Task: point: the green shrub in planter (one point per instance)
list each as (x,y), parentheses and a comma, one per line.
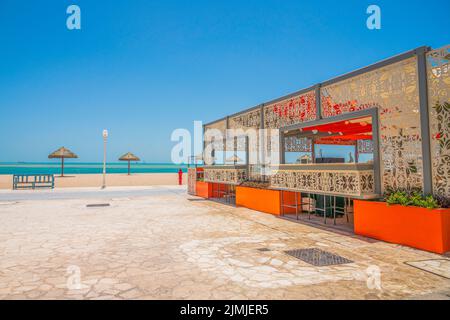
(414,199)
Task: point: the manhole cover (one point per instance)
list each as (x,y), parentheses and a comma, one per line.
(263,249)
(317,257)
(97,205)
(196,200)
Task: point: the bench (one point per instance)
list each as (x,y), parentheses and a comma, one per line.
(33,181)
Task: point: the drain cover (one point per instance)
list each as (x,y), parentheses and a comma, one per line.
(97,205)
(196,199)
(317,257)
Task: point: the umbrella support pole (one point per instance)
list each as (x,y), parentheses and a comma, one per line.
(129,157)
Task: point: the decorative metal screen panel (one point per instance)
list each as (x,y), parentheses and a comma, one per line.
(250,123)
(365,146)
(192,179)
(219,125)
(216,143)
(438,71)
(291,111)
(337,182)
(226,176)
(238,143)
(251,119)
(257,173)
(297,144)
(394,91)
(222,127)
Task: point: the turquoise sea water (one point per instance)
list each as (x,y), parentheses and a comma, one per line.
(87,168)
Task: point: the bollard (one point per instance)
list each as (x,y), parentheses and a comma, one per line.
(180,177)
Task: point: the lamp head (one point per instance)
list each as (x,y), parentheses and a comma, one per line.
(105,134)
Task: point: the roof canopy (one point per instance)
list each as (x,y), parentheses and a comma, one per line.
(341,132)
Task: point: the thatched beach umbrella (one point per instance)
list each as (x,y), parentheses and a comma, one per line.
(234,158)
(62,153)
(129,157)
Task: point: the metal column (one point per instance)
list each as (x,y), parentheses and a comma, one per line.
(424,119)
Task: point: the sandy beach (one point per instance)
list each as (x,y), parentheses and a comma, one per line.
(117,180)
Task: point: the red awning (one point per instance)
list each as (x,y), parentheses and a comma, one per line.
(343,132)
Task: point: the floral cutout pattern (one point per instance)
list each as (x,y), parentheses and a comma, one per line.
(393,90)
(344,183)
(227,176)
(438,71)
(291,111)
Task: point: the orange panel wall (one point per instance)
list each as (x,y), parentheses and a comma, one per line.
(420,228)
(203,189)
(264,200)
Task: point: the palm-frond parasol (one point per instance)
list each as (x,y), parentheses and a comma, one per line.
(129,157)
(62,153)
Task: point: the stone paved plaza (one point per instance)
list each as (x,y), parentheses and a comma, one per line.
(156,243)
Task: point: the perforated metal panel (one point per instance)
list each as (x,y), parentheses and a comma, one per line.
(438,67)
(393,90)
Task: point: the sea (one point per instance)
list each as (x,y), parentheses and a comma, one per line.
(8,168)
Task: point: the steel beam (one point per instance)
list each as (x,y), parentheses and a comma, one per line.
(424,119)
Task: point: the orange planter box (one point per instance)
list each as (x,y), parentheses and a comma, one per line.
(419,228)
(203,189)
(264,200)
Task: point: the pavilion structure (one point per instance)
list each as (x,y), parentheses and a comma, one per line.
(383,127)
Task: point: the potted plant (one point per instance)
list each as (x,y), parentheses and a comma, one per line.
(407,218)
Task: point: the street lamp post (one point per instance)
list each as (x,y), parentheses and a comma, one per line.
(105,138)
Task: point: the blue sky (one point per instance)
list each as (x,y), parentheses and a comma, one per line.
(144,68)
